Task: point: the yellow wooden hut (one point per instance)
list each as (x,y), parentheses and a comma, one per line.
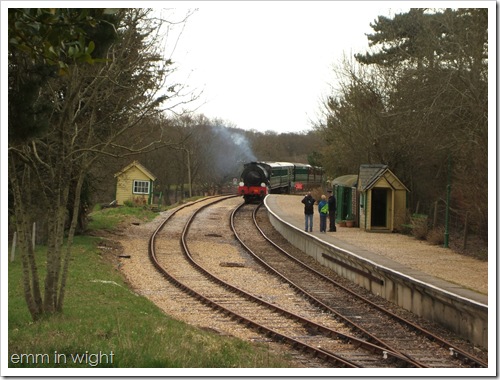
(134,183)
(382,203)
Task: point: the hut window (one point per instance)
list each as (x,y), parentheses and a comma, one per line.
(141,187)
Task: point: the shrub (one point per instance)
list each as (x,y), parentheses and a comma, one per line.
(420,228)
(436,236)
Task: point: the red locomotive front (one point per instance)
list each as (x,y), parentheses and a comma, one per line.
(254,182)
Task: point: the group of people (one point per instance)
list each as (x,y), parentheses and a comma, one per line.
(326,209)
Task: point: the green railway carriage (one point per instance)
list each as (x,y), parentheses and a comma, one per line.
(281,176)
(308,176)
(301,173)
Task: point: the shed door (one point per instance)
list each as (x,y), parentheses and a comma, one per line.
(379,207)
(343,196)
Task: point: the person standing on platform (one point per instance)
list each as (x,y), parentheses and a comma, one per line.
(308,202)
(332,208)
(323,213)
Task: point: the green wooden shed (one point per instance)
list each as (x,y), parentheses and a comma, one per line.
(345,191)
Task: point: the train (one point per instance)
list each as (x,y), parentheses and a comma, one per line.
(261,178)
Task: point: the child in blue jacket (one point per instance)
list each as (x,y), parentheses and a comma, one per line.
(323,213)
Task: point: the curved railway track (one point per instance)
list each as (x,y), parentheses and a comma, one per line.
(377,324)
(305,326)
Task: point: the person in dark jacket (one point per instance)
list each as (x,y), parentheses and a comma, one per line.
(332,208)
(308,202)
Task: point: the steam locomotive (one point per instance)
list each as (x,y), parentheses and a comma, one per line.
(261,178)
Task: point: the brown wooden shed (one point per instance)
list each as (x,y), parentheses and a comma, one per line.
(134,183)
(382,203)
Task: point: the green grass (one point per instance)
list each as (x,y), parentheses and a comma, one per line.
(103,316)
(110,218)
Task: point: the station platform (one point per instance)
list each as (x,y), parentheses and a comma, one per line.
(413,276)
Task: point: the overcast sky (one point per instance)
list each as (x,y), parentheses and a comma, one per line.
(266,65)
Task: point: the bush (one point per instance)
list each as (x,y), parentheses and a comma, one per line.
(436,236)
(419,226)
(129,203)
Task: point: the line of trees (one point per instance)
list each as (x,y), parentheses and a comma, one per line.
(79,81)
(418,102)
(208,152)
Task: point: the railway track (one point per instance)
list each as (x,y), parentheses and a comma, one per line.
(378,324)
(305,333)
(181,258)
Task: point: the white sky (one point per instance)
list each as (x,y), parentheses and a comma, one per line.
(266,65)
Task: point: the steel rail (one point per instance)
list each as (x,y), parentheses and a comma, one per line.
(382,346)
(278,337)
(454,351)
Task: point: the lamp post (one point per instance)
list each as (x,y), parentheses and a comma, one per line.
(188,165)
(189,171)
(447,215)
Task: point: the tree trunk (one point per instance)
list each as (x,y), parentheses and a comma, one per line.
(31,282)
(69,242)
(56,222)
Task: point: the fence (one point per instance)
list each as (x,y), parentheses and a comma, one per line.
(458,222)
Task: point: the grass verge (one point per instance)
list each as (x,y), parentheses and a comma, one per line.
(105,324)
